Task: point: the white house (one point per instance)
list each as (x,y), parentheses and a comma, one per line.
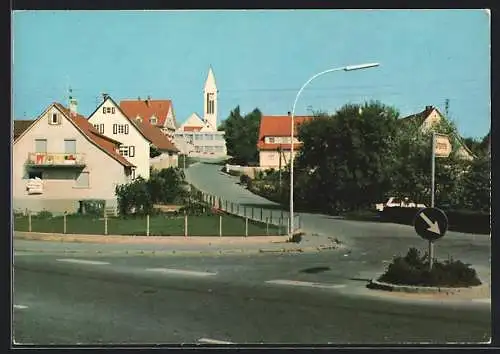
(111,121)
(60,159)
(199,136)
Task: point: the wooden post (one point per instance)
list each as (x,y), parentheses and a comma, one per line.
(246,227)
(252,214)
(64,218)
(147,225)
(232,208)
(237,209)
(226,206)
(185,224)
(220,225)
(244,210)
(261,216)
(267,227)
(29,221)
(271,216)
(105,223)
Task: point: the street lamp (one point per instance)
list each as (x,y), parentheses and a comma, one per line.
(344,68)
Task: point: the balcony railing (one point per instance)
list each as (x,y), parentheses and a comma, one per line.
(46,159)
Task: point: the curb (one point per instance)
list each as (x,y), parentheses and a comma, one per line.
(378,285)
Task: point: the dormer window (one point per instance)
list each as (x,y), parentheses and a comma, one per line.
(54,119)
(153,120)
(139,119)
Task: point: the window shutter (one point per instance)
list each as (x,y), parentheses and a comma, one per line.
(126,129)
(112,110)
(101,128)
(131,151)
(103,110)
(115,127)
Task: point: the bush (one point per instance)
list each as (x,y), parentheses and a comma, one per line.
(195,209)
(296,238)
(413,269)
(94,207)
(44,214)
(234,173)
(245,179)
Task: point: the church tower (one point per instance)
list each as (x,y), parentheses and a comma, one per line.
(210,100)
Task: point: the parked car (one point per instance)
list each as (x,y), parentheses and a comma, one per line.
(398,202)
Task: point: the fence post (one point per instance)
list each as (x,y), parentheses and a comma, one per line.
(29,221)
(185,224)
(220,225)
(232,208)
(271,216)
(252,214)
(281,213)
(244,210)
(226,206)
(267,226)
(280,225)
(105,223)
(64,218)
(147,225)
(261,216)
(237,209)
(246,227)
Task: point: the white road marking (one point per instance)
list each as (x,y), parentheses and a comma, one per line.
(305,283)
(180,272)
(20,307)
(213,341)
(81,261)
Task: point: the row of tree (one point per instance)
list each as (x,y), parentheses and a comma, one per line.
(364,153)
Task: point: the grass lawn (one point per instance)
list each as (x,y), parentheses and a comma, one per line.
(158,225)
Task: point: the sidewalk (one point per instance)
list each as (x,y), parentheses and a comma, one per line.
(72,243)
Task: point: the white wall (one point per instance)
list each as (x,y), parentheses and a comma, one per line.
(60,192)
(133,138)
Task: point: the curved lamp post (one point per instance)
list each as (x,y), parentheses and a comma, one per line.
(343,68)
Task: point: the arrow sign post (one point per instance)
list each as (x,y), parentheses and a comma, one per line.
(431,224)
(441,147)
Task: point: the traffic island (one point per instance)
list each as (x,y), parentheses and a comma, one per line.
(413,274)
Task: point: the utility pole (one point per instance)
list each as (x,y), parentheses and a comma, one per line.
(279,152)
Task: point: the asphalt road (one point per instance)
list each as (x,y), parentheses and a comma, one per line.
(360,236)
(240,299)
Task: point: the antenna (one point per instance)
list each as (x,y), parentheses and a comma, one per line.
(446,107)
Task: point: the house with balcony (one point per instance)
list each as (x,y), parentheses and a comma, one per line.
(110,120)
(274,144)
(61,159)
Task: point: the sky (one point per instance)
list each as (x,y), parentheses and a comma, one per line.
(260,59)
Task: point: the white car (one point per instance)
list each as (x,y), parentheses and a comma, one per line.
(397,202)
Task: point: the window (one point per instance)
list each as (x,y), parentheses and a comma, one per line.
(139,119)
(124,150)
(99,128)
(133,173)
(270,140)
(131,151)
(153,120)
(108,110)
(83,180)
(41,145)
(69,146)
(120,128)
(54,118)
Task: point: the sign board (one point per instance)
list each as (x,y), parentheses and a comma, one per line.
(431,223)
(442,145)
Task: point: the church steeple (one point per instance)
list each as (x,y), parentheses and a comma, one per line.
(210,100)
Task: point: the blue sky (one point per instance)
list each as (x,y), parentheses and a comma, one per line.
(260,59)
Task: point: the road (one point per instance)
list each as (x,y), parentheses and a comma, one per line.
(359,236)
(106,299)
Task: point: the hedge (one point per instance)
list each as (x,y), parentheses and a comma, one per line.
(458,220)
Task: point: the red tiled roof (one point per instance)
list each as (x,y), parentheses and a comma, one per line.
(278,126)
(146,109)
(106,144)
(192,129)
(155,136)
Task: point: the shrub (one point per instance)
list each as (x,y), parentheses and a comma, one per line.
(296,238)
(94,207)
(413,269)
(195,209)
(245,179)
(234,173)
(44,214)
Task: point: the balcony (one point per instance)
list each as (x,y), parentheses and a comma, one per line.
(47,159)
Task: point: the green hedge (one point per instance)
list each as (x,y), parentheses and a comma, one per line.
(458,220)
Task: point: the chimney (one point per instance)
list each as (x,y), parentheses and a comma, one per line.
(428,108)
(147,100)
(289,113)
(73,107)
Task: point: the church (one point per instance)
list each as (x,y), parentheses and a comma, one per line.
(198,137)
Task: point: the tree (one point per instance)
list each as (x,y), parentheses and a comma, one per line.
(343,161)
(475,186)
(242,134)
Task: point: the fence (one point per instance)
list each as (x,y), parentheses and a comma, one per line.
(276,217)
(171,224)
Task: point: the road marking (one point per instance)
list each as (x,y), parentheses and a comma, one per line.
(305,283)
(213,341)
(20,307)
(81,261)
(180,272)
